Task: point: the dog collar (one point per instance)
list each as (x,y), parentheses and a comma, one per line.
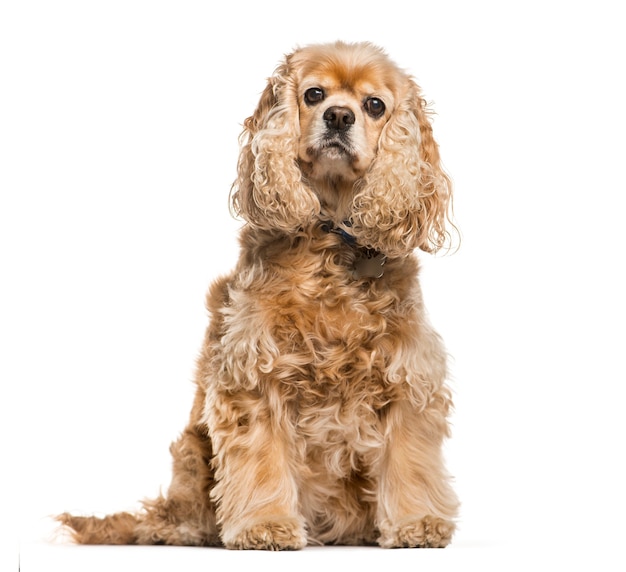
(369,263)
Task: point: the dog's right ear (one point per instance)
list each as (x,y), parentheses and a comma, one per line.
(269,192)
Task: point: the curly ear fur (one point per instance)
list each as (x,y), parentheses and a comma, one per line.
(402,202)
(269,192)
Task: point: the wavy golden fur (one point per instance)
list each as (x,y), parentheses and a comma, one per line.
(321,403)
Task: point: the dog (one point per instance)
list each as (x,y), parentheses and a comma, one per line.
(321,402)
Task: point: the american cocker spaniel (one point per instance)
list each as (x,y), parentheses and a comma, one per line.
(321,402)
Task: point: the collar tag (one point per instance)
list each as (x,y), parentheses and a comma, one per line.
(369,265)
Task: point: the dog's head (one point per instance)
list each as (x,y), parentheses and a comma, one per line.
(341,128)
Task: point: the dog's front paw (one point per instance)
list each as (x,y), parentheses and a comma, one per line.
(426,532)
(284,534)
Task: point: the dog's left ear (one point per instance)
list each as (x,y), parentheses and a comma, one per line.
(403,201)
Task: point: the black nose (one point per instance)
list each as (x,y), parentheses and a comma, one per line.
(339,118)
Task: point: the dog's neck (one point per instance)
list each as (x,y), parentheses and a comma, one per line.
(335,196)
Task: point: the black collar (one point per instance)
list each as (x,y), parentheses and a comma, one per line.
(330,226)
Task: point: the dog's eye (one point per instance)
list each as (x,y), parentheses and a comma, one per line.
(374,107)
(313,95)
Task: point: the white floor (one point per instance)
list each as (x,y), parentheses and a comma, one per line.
(52,554)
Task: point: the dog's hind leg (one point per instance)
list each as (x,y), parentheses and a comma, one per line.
(185,516)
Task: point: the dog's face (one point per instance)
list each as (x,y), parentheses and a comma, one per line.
(344,104)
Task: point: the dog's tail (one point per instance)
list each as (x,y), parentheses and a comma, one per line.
(179,520)
(176,521)
(119,528)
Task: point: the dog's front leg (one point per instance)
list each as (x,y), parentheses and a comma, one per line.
(255,492)
(416,504)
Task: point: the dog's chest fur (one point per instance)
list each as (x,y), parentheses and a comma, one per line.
(294,325)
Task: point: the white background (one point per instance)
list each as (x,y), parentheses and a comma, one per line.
(118,145)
